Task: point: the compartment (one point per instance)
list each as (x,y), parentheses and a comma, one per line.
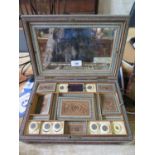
(75,128)
(105,87)
(46,87)
(50,127)
(76,87)
(76,106)
(32,127)
(41,107)
(109,103)
(76,109)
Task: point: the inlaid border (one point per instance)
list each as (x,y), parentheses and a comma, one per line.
(90,101)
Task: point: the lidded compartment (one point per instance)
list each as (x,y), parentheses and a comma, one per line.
(71,46)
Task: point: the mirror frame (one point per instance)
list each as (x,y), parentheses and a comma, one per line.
(118,22)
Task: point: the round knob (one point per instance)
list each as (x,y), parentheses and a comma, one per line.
(104,128)
(93,127)
(46,126)
(57,127)
(61,87)
(117,128)
(89,87)
(33,126)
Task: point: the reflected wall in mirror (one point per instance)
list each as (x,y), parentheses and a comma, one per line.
(59,46)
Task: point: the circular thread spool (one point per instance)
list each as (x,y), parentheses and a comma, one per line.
(46,126)
(57,126)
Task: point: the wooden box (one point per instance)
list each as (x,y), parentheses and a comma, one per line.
(76,97)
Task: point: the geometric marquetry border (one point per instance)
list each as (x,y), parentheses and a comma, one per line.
(91,115)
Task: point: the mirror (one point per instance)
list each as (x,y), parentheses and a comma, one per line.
(74,48)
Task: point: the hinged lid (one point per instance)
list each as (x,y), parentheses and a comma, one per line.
(76,46)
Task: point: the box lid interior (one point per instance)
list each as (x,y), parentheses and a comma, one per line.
(76,46)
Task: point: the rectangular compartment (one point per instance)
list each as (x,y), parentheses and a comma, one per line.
(109,103)
(41,107)
(76,128)
(46,87)
(76,107)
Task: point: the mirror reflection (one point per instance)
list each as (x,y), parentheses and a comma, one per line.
(59,46)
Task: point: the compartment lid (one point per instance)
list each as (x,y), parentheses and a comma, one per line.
(76,45)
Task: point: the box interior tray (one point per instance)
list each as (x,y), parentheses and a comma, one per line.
(59,109)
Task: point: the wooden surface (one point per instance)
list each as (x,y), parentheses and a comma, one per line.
(129,52)
(58,6)
(28,69)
